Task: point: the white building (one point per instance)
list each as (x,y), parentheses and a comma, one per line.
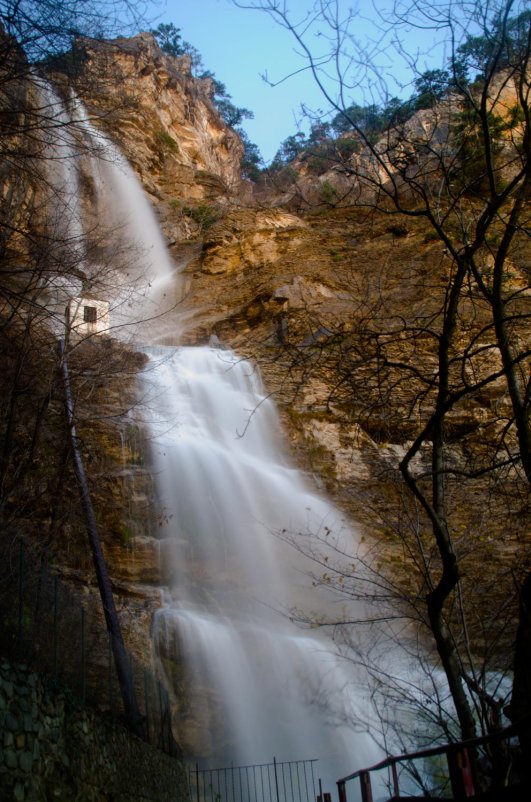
(87,316)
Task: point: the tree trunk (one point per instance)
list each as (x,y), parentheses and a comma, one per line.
(123,670)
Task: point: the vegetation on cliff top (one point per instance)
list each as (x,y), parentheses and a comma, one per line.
(331,142)
(171,42)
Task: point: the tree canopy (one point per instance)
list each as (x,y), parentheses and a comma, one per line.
(477,56)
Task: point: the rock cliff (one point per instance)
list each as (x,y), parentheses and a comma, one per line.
(161,117)
(276,285)
(312,297)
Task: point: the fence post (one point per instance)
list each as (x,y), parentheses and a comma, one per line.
(197,781)
(366,788)
(341,792)
(83,667)
(394,773)
(460,770)
(20,594)
(276,778)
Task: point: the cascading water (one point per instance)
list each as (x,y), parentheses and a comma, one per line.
(255,685)
(146,290)
(63,278)
(247,683)
(65,211)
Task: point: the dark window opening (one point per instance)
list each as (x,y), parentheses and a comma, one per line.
(90,314)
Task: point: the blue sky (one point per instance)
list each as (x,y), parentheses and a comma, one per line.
(238,45)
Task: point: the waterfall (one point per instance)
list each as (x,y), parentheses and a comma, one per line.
(247,683)
(64,212)
(63,277)
(145,291)
(254,685)
(108,242)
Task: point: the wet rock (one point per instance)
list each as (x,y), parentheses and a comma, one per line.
(10,758)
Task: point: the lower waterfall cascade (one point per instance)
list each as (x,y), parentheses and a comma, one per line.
(247,683)
(255,684)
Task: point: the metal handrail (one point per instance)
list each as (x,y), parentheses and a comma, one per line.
(457,748)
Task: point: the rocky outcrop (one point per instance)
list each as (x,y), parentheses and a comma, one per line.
(254,268)
(247,239)
(161,116)
(415,149)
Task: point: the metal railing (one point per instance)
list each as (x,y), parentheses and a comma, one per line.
(460,776)
(288,781)
(56,626)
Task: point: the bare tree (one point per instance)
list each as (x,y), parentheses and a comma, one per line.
(458,163)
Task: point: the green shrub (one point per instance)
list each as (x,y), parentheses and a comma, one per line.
(165,142)
(204,214)
(328,193)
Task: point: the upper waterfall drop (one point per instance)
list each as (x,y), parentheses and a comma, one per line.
(109,243)
(147,288)
(65,215)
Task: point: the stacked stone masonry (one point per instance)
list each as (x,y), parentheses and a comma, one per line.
(54,749)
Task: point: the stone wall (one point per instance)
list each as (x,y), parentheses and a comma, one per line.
(53,749)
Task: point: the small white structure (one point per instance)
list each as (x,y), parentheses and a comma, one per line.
(87,316)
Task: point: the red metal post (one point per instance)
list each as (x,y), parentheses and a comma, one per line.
(342,792)
(460,770)
(366,788)
(394,774)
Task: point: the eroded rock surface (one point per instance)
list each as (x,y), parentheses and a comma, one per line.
(162,118)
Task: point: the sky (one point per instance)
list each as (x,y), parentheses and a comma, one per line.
(240,45)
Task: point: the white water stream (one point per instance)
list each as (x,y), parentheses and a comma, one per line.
(256,685)
(109,244)
(248,684)
(145,290)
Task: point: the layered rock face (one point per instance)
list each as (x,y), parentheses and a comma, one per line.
(161,117)
(270,282)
